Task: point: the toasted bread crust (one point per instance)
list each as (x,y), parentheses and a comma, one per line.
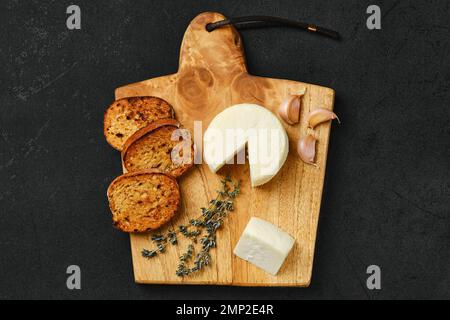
(151,147)
(126,116)
(144,131)
(143,201)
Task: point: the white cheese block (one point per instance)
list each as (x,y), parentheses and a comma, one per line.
(264,245)
(252,125)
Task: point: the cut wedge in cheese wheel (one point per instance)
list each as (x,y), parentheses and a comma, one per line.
(248,125)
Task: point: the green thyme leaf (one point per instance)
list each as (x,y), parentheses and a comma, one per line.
(203,227)
(149,253)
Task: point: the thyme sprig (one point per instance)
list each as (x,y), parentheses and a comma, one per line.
(201,231)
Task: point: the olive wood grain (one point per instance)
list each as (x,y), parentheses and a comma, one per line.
(213,75)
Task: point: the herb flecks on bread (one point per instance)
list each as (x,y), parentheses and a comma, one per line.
(126,116)
(156,147)
(143,201)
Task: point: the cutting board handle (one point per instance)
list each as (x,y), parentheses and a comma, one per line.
(220,52)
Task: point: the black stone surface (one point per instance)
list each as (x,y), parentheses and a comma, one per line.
(387,189)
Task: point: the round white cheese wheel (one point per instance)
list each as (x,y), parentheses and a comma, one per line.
(248,125)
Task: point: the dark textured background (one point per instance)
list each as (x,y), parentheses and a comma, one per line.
(387,189)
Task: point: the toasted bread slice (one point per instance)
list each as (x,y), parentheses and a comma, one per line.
(126,116)
(143,201)
(153,147)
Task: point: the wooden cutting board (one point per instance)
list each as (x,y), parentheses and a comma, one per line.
(212,76)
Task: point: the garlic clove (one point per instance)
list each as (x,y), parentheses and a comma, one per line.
(320,115)
(289,109)
(306,148)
